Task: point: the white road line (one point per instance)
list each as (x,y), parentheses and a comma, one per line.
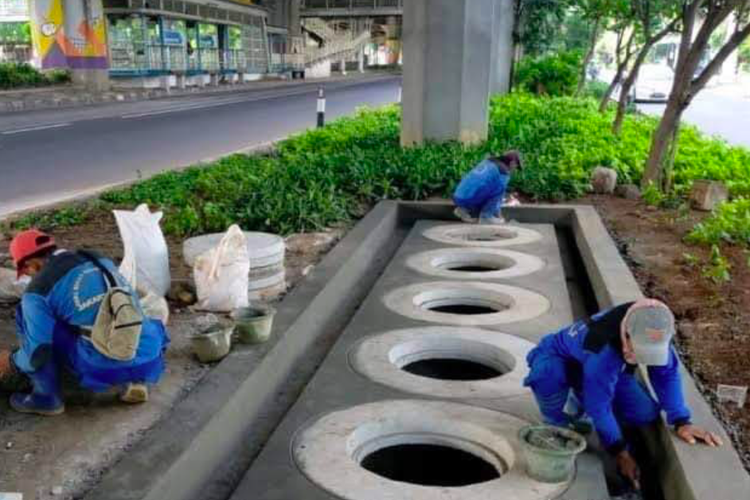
(33,129)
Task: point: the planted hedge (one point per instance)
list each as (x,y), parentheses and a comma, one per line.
(323,177)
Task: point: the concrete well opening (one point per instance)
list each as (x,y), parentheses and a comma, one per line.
(466,303)
(429,465)
(482,236)
(452,358)
(475,263)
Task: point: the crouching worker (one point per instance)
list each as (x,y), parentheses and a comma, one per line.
(79,314)
(481,193)
(594,362)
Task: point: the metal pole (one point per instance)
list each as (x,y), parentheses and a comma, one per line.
(321,107)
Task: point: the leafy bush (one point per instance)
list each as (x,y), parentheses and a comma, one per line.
(730,223)
(554,75)
(596,89)
(325,176)
(18,75)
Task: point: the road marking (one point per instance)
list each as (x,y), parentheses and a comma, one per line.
(33,129)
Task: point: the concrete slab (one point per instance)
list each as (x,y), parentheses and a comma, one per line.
(337,387)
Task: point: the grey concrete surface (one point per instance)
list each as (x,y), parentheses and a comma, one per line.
(206,444)
(502,46)
(274,475)
(447,46)
(48,156)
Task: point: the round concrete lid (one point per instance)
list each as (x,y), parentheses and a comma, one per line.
(421,301)
(330,449)
(501,264)
(482,235)
(382,357)
(265,249)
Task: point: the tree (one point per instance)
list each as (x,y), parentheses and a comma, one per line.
(654,19)
(689,79)
(625,49)
(598,14)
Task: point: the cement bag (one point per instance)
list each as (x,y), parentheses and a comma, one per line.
(11,288)
(145,249)
(221,274)
(155,307)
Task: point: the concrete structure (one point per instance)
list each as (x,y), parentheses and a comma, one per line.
(502,46)
(216,432)
(447,74)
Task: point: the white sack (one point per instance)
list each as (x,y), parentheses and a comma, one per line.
(221,274)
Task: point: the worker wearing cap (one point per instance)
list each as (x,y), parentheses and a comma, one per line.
(594,361)
(481,193)
(58,308)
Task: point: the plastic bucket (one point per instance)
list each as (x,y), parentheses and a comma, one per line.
(253,324)
(550,452)
(213,344)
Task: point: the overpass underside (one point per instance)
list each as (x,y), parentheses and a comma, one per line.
(351,8)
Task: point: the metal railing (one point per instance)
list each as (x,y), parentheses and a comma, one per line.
(15,8)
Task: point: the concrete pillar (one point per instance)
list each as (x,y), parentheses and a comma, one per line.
(394,39)
(361,59)
(343,66)
(181,81)
(447,50)
(295,24)
(502,46)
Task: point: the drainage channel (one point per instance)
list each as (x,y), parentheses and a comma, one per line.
(421,396)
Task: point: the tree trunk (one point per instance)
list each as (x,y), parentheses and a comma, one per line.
(611,89)
(662,144)
(627,85)
(589,55)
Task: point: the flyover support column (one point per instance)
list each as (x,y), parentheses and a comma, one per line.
(447,53)
(361,59)
(502,46)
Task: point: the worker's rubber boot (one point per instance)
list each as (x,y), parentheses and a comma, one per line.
(134,393)
(45,398)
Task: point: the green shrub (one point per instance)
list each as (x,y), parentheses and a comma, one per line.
(554,75)
(19,75)
(326,176)
(730,223)
(596,89)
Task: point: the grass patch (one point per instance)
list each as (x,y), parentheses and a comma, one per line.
(325,177)
(729,223)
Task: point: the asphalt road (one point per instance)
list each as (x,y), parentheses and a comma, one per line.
(50,156)
(722,110)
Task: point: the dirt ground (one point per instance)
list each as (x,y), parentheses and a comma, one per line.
(713,319)
(62,457)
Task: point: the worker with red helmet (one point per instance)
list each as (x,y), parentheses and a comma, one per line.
(54,324)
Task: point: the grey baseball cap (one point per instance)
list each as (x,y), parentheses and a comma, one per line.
(650,325)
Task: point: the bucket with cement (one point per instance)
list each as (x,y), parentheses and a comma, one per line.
(213,343)
(254,323)
(550,452)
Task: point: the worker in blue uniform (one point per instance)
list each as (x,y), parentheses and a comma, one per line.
(481,193)
(54,323)
(586,373)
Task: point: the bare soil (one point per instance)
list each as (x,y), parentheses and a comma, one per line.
(62,457)
(713,319)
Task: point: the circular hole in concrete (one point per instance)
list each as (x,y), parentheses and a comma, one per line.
(483,236)
(429,465)
(466,302)
(451,358)
(479,263)
(451,369)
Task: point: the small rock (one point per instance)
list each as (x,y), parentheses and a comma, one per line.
(604,180)
(57,491)
(652,208)
(706,195)
(27,458)
(628,191)
(307,270)
(8,445)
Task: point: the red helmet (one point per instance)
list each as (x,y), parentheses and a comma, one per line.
(27,244)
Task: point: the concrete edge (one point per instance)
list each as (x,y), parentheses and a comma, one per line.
(221,417)
(686,472)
